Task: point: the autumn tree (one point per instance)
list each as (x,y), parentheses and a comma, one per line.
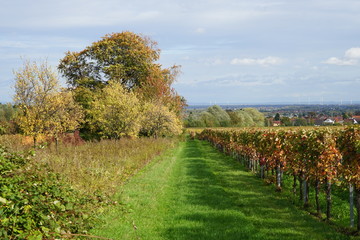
(64,114)
(126,58)
(116,112)
(157,87)
(41,103)
(159,121)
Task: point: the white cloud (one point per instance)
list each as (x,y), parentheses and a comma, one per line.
(257,61)
(350,58)
(340,62)
(353,53)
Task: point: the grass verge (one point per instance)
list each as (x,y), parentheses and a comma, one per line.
(101,167)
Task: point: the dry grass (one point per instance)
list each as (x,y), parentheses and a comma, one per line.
(94,167)
(102,166)
(17,142)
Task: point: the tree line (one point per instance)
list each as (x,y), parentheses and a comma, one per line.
(215,116)
(115,88)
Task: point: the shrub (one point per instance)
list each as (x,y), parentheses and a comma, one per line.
(37,204)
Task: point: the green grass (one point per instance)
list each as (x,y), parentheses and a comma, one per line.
(195,192)
(340,210)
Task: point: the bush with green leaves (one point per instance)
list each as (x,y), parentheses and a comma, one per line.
(37,204)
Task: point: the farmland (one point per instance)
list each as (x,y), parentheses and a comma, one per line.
(316,157)
(159,188)
(196,192)
(109,157)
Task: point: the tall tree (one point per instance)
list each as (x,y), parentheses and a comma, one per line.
(41,103)
(277,117)
(257,117)
(158,121)
(116,112)
(243,119)
(221,116)
(64,114)
(34,84)
(127,58)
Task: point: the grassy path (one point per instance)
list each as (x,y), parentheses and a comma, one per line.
(197,193)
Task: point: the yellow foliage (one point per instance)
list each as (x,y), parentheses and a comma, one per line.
(160,121)
(45,109)
(116,111)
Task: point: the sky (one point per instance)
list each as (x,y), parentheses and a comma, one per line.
(230,51)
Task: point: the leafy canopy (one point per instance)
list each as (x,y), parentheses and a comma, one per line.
(125,57)
(116,112)
(44,108)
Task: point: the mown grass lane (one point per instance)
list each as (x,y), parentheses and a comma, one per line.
(195,192)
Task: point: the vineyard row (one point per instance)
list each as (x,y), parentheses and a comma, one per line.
(318,156)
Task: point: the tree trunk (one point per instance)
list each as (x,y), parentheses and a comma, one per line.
(328,199)
(294,186)
(300,187)
(306,193)
(262,171)
(317,188)
(351,201)
(56,143)
(278,178)
(35,141)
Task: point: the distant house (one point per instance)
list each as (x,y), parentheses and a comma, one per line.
(357,118)
(329,121)
(276,123)
(350,121)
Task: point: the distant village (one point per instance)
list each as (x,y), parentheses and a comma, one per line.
(320,120)
(314,115)
(299,115)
